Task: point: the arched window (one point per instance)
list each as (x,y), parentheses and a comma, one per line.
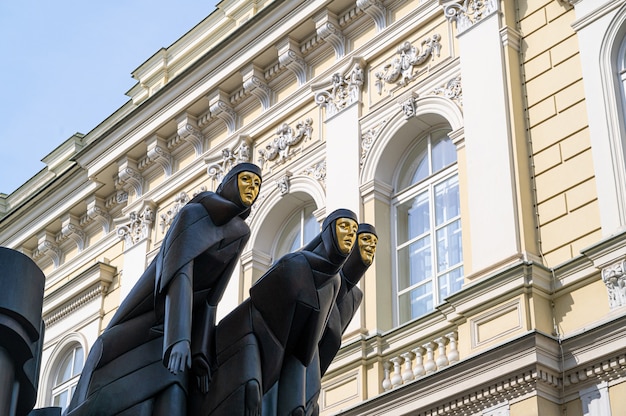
(428,255)
(299,229)
(66,376)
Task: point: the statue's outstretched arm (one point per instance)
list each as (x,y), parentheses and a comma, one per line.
(177,320)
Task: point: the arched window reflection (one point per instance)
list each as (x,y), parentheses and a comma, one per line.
(66,377)
(429,256)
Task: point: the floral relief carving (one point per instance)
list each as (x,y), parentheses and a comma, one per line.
(367,141)
(401,70)
(614,277)
(344,91)
(318,172)
(467,13)
(181,199)
(229,158)
(452,90)
(286,138)
(138,227)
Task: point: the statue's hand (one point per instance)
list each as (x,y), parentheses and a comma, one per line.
(180,357)
(203,374)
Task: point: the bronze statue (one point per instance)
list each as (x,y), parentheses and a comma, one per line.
(21,331)
(284,317)
(298,388)
(139,364)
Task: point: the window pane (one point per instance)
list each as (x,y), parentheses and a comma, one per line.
(414,263)
(295,241)
(416,167)
(311,227)
(417,302)
(447,200)
(449,252)
(78,361)
(413,218)
(450,283)
(60,400)
(65,369)
(444,152)
(421,172)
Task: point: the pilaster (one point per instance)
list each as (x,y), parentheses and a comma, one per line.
(493,216)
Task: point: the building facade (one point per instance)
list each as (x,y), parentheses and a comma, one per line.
(485,140)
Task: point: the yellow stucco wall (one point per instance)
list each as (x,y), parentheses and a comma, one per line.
(566,193)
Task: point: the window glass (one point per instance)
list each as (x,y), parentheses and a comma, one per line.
(66,377)
(299,230)
(429,256)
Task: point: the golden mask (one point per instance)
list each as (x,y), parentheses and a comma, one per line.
(249,185)
(345,229)
(367,247)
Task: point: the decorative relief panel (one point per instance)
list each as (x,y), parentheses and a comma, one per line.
(137,227)
(401,70)
(344,90)
(467,13)
(452,90)
(614,278)
(181,199)
(317,172)
(367,140)
(218,167)
(279,147)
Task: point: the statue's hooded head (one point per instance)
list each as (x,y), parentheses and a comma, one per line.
(362,255)
(233,183)
(331,243)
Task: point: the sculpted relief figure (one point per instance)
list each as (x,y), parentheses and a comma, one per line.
(157,351)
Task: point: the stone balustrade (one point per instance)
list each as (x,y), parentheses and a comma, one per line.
(420,360)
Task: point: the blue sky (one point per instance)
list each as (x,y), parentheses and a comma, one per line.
(65,66)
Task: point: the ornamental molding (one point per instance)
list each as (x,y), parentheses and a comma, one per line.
(56,316)
(137,226)
(317,172)
(367,140)
(614,277)
(282,183)
(97,211)
(128,177)
(220,107)
(71,229)
(342,90)
(452,90)
(181,199)
(254,83)
(290,57)
(278,149)
(158,153)
(119,197)
(609,369)
(376,10)
(328,29)
(88,285)
(467,13)
(189,131)
(409,106)
(218,166)
(401,70)
(168,216)
(46,246)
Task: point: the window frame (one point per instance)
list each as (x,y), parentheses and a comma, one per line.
(408,193)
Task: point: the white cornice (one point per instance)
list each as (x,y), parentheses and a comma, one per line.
(66,298)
